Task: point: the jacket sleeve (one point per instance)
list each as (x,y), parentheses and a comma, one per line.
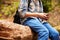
(22,9)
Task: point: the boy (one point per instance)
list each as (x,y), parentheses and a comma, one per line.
(31,13)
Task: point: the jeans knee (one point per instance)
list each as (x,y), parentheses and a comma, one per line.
(45,32)
(56,34)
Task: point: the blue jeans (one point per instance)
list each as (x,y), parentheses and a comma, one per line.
(44,30)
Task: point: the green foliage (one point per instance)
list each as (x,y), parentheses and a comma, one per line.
(8,9)
(47,4)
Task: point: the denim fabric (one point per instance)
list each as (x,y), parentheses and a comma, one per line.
(44,30)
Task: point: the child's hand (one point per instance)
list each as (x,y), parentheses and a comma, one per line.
(48,15)
(44,16)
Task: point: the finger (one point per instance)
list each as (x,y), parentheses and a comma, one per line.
(45,17)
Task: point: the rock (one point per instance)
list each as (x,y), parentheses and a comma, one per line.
(13,31)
